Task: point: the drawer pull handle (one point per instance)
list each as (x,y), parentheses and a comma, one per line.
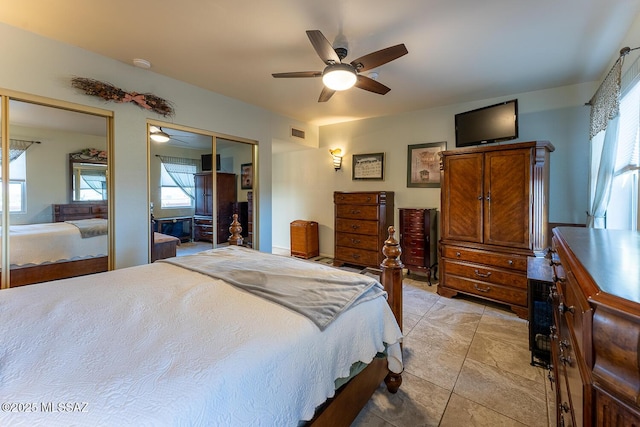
(485,275)
(487,289)
(355,256)
(355,226)
(566,360)
(563,344)
(355,212)
(563,308)
(355,241)
(565,407)
(558,279)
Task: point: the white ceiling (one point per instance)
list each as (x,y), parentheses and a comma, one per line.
(459,50)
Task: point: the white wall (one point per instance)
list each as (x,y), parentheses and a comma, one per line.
(304,180)
(36,65)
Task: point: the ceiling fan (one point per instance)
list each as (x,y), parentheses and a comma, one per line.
(339,75)
(157,134)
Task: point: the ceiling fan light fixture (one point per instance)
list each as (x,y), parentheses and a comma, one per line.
(339,76)
(159,136)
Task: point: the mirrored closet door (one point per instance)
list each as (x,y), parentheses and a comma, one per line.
(196,186)
(55,183)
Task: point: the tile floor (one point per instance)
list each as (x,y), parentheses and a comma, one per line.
(467,363)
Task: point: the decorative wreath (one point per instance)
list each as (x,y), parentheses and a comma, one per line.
(109,92)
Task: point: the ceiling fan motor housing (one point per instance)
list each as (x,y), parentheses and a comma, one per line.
(341,52)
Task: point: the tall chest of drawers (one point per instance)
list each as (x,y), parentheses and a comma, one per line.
(361,221)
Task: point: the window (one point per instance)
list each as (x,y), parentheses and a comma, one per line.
(622,211)
(176,185)
(17,184)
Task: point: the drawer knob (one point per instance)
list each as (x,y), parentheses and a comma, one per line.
(355,256)
(458,254)
(563,344)
(355,241)
(485,275)
(510,262)
(565,407)
(478,288)
(355,226)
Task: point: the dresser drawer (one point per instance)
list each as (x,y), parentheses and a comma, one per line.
(356,256)
(485,274)
(356,227)
(512,261)
(504,294)
(356,198)
(359,241)
(409,259)
(357,211)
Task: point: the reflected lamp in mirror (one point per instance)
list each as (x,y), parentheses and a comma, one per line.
(336,153)
(88,172)
(158,135)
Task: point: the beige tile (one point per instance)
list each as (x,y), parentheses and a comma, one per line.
(504,326)
(437,362)
(464,412)
(509,394)
(506,356)
(454,336)
(417,403)
(416,301)
(409,321)
(367,419)
(455,314)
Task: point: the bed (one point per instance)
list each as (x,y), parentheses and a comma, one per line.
(196,341)
(49,251)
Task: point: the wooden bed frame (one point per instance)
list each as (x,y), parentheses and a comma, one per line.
(20,276)
(349,400)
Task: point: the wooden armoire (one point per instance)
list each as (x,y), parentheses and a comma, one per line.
(494,215)
(226,196)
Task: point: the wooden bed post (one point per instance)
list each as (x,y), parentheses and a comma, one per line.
(391,279)
(235,229)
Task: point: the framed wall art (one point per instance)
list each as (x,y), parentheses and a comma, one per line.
(423,164)
(246,176)
(368,166)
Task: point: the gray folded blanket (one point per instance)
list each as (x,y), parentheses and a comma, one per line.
(90,227)
(319,292)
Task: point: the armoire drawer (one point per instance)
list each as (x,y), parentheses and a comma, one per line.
(485,273)
(512,261)
(504,294)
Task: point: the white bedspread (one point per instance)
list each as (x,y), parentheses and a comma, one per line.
(160,345)
(51,242)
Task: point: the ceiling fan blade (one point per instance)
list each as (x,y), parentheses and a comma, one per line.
(298,74)
(323,47)
(380,57)
(326,94)
(371,85)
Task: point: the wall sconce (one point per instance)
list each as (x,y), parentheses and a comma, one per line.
(336,153)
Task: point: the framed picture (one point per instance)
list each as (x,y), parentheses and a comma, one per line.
(246,176)
(368,166)
(423,164)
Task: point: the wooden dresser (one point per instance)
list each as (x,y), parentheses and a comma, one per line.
(596,333)
(418,240)
(361,221)
(493,216)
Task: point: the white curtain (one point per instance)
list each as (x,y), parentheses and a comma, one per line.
(181,170)
(605,113)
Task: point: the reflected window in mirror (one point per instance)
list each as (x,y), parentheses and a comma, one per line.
(88,172)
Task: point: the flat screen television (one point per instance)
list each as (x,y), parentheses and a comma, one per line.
(493,123)
(207,162)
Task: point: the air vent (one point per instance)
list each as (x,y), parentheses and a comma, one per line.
(298,133)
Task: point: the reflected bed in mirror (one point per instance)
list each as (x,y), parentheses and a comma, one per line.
(88,172)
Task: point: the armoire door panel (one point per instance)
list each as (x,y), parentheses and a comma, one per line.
(464,198)
(507,201)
